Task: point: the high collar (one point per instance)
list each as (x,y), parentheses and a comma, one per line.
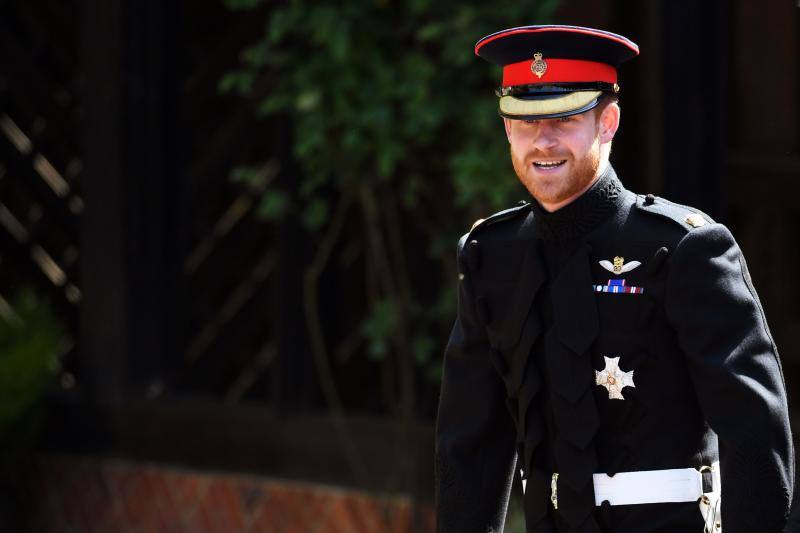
(584,213)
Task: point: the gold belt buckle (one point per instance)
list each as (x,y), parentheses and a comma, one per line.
(554,490)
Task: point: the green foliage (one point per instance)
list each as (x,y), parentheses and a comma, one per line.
(274,204)
(254,177)
(31,340)
(315,214)
(423,347)
(388,101)
(377,89)
(378,326)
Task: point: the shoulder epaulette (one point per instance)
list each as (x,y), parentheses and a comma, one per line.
(505,214)
(685,216)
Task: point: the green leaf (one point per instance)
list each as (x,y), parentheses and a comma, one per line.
(423,347)
(308,100)
(281,22)
(274,104)
(245,175)
(430,31)
(313,183)
(388,156)
(31,341)
(257,55)
(315,214)
(238,81)
(274,204)
(378,326)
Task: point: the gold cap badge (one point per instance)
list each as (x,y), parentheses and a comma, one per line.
(618,262)
(695,220)
(539,65)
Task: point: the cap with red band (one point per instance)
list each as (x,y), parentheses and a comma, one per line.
(554,71)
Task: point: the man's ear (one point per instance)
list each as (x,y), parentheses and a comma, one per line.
(609,122)
(507,124)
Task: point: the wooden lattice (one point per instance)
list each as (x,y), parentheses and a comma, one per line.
(40,167)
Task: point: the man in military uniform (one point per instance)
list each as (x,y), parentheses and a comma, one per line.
(610,346)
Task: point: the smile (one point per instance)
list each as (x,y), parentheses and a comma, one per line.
(546,165)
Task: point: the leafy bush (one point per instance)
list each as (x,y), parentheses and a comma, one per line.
(31,340)
(395,128)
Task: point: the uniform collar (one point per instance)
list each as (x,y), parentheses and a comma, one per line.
(585,213)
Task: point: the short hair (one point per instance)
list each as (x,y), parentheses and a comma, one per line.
(604,100)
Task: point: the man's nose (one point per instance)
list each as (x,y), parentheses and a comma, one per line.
(545,137)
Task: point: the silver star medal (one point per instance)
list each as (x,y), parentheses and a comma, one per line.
(613,379)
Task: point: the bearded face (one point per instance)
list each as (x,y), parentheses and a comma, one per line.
(558,159)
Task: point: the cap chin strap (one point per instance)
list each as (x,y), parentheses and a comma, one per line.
(553,89)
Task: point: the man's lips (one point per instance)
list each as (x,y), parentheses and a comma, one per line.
(548,164)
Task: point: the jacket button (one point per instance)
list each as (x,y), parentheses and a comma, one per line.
(649,199)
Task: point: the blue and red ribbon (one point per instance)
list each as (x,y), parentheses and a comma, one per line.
(617,286)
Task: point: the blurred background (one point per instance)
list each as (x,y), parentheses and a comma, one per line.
(228,232)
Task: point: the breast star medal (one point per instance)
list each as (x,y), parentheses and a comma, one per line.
(539,65)
(619,266)
(613,379)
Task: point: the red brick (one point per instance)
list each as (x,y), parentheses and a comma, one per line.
(90,496)
(222,507)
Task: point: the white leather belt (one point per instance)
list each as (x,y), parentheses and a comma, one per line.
(653,486)
(658,486)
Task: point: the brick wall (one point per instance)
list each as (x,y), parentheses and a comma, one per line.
(87,495)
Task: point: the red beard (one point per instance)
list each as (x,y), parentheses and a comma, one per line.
(558,187)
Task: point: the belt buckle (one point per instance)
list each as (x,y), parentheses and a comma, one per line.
(554,490)
(712,521)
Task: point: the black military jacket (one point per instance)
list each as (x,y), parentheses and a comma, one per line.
(538,316)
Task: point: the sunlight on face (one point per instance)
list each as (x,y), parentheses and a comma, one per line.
(557,159)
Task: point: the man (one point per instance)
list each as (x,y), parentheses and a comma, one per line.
(609,345)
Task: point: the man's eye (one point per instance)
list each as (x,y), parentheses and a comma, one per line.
(564,119)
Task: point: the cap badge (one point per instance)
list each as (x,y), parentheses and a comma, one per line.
(613,379)
(539,65)
(619,266)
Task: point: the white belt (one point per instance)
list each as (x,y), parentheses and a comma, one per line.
(652,486)
(658,486)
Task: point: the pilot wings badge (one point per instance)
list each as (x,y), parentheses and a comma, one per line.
(619,266)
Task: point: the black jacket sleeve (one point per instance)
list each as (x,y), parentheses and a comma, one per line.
(475,435)
(734,365)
